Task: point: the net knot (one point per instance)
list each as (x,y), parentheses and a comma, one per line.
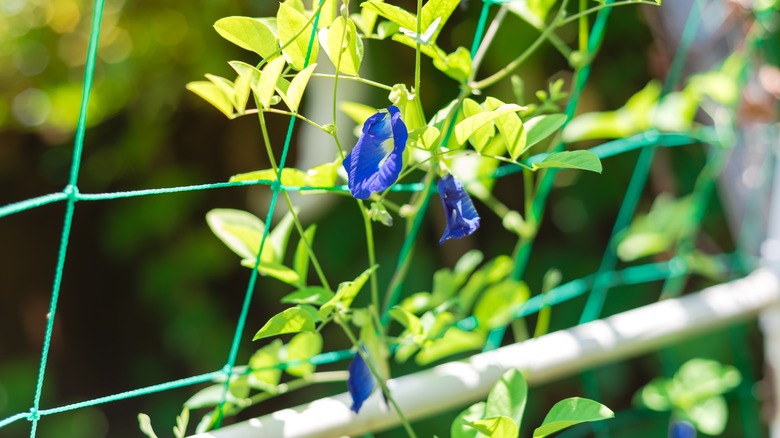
(34,415)
(72,192)
(276,185)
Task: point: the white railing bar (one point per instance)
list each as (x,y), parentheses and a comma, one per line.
(547,358)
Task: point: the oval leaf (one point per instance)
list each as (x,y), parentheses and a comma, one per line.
(297,86)
(541,127)
(302,347)
(248,33)
(295,30)
(343,45)
(469,125)
(496,427)
(241,231)
(508,397)
(583,160)
(571,411)
(292,320)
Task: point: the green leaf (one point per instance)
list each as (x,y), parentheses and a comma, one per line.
(297,5)
(699,379)
(315,295)
(345,294)
(180,429)
(571,411)
(510,127)
(541,127)
(368,18)
(497,305)
(456,65)
(496,427)
(291,23)
(301,256)
(241,231)
(508,397)
(656,231)
(263,365)
(709,415)
(393,13)
(239,387)
(358,112)
(489,274)
(433,10)
(328,13)
(303,347)
(655,395)
(297,86)
(292,320)
(208,397)
(401,97)
(410,321)
(532,11)
(275,270)
(214,95)
(470,125)
(145,424)
(265,87)
(248,33)
(482,136)
(247,75)
(324,175)
(459,429)
(343,45)
(583,160)
(279,236)
(453,342)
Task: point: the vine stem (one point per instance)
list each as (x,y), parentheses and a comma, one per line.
(379,378)
(353,78)
(296,221)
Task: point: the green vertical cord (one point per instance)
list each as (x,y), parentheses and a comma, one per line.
(276,188)
(71,191)
(598,295)
(480,32)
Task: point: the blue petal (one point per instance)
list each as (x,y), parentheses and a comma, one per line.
(371,167)
(681,429)
(462,217)
(360,383)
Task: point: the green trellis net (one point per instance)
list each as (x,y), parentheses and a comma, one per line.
(595,287)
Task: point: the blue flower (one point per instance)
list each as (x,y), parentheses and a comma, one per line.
(681,429)
(462,217)
(377,158)
(361,382)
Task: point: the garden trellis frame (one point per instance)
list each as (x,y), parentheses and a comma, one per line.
(594,341)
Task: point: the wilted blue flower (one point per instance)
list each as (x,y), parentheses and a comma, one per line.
(376,160)
(462,217)
(681,429)
(361,382)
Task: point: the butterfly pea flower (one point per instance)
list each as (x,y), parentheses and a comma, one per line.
(375,162)
(681,429)
(462,217)
(361,382)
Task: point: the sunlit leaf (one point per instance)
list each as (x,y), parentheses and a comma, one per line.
(393,13)
(248,33)
(582,160)
(410,321)
(315,295)
(214,95)
(496,427)
(459,429)
(145,424)
(496,306)
(263,366)
(292,320)
(343,45)
(301,256)
(470,125)
(275,270)
(453,342)
(241,231)
(302,347)
(533,11)
(297,86)
(266,85)
(508,397)
(571,411)
(541,127)
(345,294)
(291,23)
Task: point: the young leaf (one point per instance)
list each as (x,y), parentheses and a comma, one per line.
(265,87)
(541,127)
(571,411)
(456,65)
(279,236)
(510,127)
(454,341)
(497,305)
(301,256)
(207,397)
(291,23)
(297,86)
(710,415)
(345,294)
(275,270)
(410,321)
(496,427)
(180,429)
(248,33)
(302,347)
(508,397)
(241,231)
(459,428)
(436,10)
(393,13)
(314,295)
(367,19)
(343,45)
(214,95)
(145,424)
(264,373)
(470,125)
(247,75)
(482,136)
(583,160)
(292,320)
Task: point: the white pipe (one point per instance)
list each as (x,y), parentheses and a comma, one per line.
(544,359)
